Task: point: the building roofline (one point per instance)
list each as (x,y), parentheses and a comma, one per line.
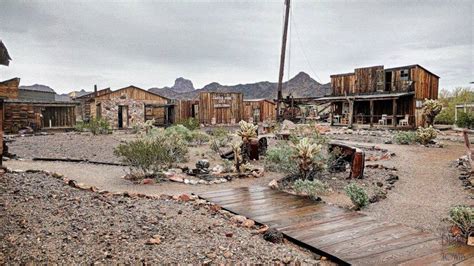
(134,87)
(386,69)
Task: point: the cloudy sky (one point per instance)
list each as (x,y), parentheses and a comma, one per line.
(76,44)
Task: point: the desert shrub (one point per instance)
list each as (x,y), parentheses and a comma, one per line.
(312,188)
(465,120)
(310,132)
(308,156)
(219,132)
(449,99)
(80,126)
(357,195)
(191,123)
(228,166)
(425,134)
(279,159)
(405,137)
(181,131)
(99,126)
(143,127)
(247,131)
(462,217)
(199,137)
(152,153)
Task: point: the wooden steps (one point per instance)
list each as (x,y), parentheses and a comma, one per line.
(343,235)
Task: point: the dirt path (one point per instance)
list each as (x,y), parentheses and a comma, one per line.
(110,178)
(427,188)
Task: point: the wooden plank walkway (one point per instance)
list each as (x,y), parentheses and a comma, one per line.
(342,235)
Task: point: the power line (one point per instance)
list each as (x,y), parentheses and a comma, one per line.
(293,21)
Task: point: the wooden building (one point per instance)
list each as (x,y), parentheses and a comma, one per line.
(383,97)
(131,105)
(83,111)
(186,109)
(220,108)
(8,90)
(259,110)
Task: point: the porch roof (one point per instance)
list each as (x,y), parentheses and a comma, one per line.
(365,97)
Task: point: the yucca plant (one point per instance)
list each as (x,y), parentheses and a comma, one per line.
(247,131)
(306,153)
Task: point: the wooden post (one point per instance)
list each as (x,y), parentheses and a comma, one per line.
(351,112)
(394,113)
(371,113)
(331,115)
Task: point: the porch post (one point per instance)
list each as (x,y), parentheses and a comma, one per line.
(371,113)
(351,112)
(394,112)
(331,115)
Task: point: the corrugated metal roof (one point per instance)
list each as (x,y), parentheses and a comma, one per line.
(365,96)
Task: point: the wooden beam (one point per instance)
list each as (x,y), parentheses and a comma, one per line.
(394,113)
(351,112)
(371,113)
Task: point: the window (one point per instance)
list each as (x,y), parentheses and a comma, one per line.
(404,74)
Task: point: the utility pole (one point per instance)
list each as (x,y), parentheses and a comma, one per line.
(282,60)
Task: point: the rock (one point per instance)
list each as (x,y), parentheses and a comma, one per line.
(287,125)
(248,223)
(391,179)
(470,241)
(176,178)
(273,235)
(455,231)
(186,181)
(211,255)
(287,259)
(193,182)
(155,240)
(379,184)
(229,234)
(388,142)
(227,254)
(218,169)
(262,230)
(238,219)
(148,181)
(215,208)
(273,184)
(184,197)
(385,156)
(202,164)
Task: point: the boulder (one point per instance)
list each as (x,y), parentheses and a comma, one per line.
(238,219)
(202,164)
(273,235)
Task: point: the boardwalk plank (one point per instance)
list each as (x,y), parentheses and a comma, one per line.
(344,235)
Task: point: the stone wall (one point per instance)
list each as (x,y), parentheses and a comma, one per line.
(110,108)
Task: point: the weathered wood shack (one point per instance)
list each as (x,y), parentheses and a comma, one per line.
(83,111)
(385,97)
(130,106)
(259,110)
(186,109)
(8,90)
(220,108)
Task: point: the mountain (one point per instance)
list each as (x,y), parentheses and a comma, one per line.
(37,87)
(181,85)
(301,85)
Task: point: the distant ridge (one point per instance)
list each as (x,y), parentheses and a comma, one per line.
(301,85)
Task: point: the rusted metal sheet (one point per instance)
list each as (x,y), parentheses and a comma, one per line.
(352,155)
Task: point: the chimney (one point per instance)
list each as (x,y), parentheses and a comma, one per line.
(95,90)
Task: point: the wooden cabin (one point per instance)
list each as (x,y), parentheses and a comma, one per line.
(391,97)
(8,90)
(83,111)
(259,110)
(224,108)
(186,109)
(131,105)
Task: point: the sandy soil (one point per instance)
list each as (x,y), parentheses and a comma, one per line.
(45,221)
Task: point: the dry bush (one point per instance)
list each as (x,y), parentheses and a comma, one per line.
(463,217)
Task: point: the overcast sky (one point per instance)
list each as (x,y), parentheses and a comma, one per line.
(74,45)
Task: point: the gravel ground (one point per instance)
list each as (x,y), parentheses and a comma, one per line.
(70,145)
(46,221)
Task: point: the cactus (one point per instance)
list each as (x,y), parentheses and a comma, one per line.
(247,131)
(305,154)
(237,155)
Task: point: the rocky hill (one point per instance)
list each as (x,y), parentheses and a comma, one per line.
(301,85)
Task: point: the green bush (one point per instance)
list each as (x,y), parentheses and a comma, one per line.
(199,137)
(98,126)
(311,188)
(465,120)
(425,134)
(220,132)
(280,159)
(181,131)
(405,137)
(152,153)
(80,126)
(357,195)
(191,123)
(463,217)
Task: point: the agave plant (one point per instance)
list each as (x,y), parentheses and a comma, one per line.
(247,131)
(306,152)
